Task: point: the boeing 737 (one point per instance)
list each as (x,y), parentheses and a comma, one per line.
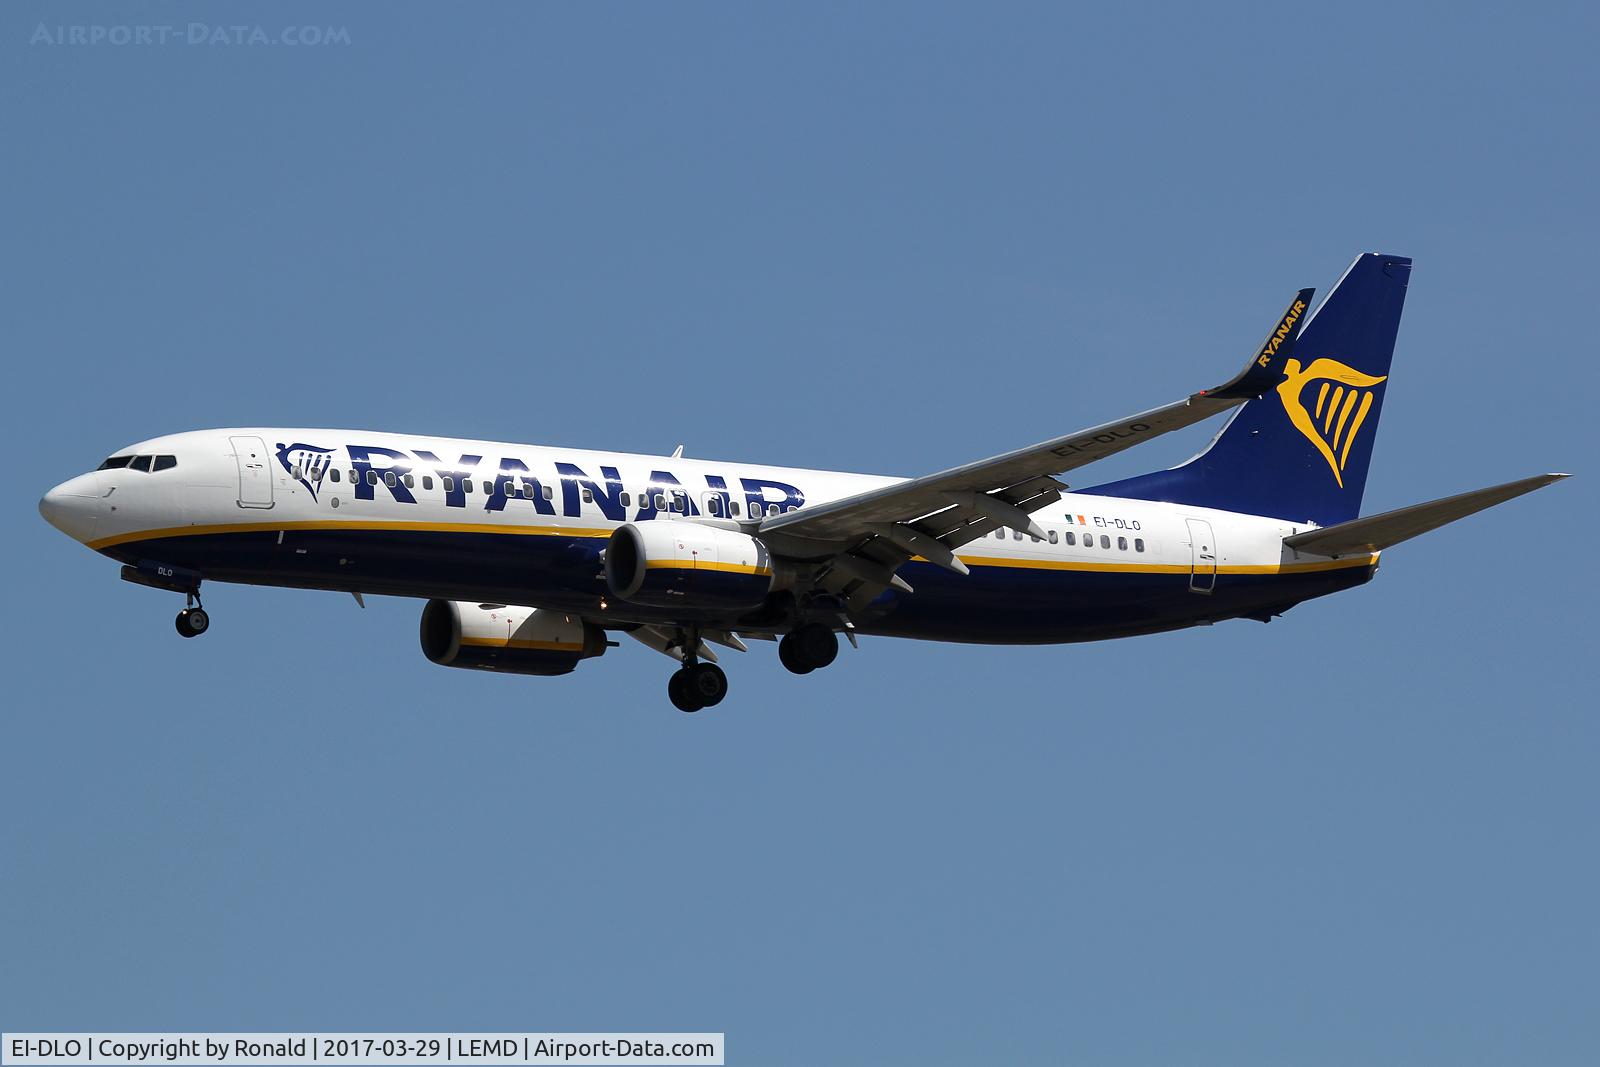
(530,558)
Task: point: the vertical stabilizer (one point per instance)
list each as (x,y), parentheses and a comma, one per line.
(1301,450)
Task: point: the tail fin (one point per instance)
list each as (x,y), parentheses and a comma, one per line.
(1301,450)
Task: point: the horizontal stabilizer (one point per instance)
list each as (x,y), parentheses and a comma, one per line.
(1377,532)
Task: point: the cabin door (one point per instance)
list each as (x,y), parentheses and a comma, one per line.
(1203,557)
(255,477)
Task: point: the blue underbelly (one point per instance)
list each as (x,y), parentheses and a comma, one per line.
(994,604)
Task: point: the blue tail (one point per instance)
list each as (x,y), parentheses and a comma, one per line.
(1301,450)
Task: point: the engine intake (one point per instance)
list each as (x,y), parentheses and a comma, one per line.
(511,640)
(687,566)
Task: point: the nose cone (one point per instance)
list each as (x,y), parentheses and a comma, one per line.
(73,507)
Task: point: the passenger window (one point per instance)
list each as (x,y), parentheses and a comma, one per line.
(624,499)
(389,479)
(1000,535)
(141,463)
(334,475)
(588,496)
(772,509)
(1052,537)
(355,476)
(410,481)
(1072,538)
(448,483)
(1105,542)
(466,486)
(427,481)
(1138,544)
(547,491)
(714,508)
(733,508)
(488,487)
(661,502)
(165,463)
(116,463)
(1122,544)
(1016,534)
(372,477)
(294,472)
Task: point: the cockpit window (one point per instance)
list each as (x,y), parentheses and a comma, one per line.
(165,463)
(116,463)
(141,463)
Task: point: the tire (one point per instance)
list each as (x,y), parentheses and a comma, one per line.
(707,684)
(815,645)
(678,692)
(789,658)
(192,622)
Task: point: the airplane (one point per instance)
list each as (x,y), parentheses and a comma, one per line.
(529,558)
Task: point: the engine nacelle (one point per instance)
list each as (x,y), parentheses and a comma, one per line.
(511,640)
(684,565)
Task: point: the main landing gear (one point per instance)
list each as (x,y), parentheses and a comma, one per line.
(808,648)
(192,621)
(697,685)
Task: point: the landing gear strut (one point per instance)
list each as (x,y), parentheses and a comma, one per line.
(192,621)
(808,648)
(696,686)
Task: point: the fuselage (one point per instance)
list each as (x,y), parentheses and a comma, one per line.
(404,515)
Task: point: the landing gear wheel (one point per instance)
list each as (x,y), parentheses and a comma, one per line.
(707,684)
(789,656)
(679,693)
(192,622)
(815,645)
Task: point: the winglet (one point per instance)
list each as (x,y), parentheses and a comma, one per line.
(1263,372)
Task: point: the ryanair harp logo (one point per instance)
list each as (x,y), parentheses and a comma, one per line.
(306,462)
(1340,407)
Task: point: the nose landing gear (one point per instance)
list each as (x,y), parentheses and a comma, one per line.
(192,621)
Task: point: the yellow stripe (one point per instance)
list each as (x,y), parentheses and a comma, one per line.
(703,565)
(1327,422)
(1322,395)
(543,646)
(1168,568)
(353,524)
(574,531)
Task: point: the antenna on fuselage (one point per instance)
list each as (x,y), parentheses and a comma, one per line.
(677,453)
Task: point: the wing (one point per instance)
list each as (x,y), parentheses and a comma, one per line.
(862,539)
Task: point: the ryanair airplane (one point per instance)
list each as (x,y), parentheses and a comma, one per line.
(529,558)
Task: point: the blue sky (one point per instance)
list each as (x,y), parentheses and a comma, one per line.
(887,238)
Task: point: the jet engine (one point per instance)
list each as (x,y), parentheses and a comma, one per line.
(684,565)
(511,640)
